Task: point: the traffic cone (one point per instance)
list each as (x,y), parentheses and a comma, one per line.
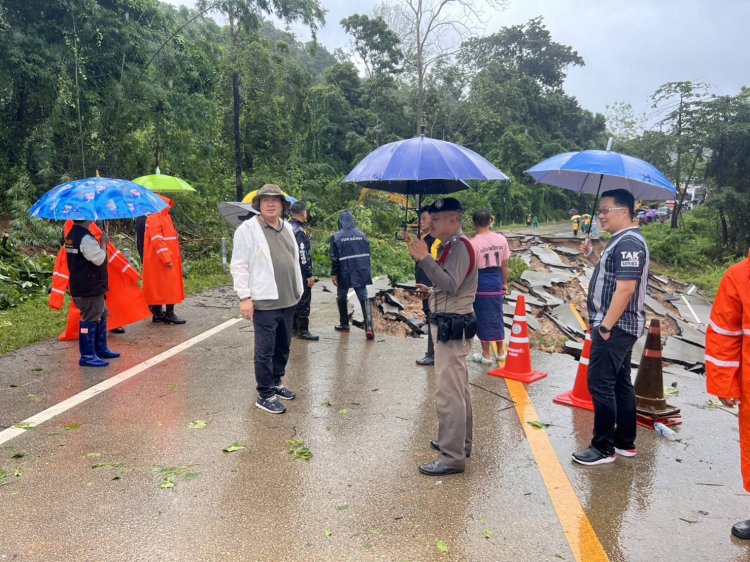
(580,397)
(650,405)
(518,364)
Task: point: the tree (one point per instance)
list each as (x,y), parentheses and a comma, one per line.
(622,122)
(246,15)
(682,102)
(522,50)
(375,44)
(432,31)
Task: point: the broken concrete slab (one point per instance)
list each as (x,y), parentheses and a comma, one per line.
(688,333)
(546,279)
(566,316)
(547,256)
(678,351)
(567,251)
(390,299)
(662,280)
(694,308)
(574,348)
(656,306)
(550,300)
(530,299)
(585,278)
(380,283)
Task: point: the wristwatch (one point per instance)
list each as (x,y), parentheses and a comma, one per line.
(603,329)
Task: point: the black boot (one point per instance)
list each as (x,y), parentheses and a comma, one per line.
(86,335)
(343,316)
(367,313)
(170,317)
(100,341)
(429,358)
(303,332)
(157,313)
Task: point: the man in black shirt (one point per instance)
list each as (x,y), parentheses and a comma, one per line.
(617,318)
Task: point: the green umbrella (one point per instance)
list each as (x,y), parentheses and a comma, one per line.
(163,183)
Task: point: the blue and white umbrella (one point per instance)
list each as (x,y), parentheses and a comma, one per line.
(422,165)
(97,199)
(596,171)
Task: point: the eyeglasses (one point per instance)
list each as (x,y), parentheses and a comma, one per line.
(607,210)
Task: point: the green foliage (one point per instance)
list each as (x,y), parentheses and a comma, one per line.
(692,253)
(516,267)
(32,320)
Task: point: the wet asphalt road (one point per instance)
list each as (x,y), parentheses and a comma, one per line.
(366,413)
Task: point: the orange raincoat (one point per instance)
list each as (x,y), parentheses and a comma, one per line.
(125,300)
(728,350)
(161,246)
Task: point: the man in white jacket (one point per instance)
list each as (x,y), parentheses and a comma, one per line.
(267,278)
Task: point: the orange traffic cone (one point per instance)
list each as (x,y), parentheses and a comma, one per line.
(651,405)
(518,364)
(580,397)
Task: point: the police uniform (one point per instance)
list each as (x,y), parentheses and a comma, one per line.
(454,276)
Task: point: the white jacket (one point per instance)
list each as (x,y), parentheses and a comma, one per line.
(252,268)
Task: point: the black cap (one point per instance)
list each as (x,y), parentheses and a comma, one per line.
(445,204)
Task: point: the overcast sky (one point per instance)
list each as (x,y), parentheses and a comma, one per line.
(630,47)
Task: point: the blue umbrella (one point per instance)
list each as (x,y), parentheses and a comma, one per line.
(97,199)
(422,165)
(594,171)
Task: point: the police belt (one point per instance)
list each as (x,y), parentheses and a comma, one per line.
(451,326)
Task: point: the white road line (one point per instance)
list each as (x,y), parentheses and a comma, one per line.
(46,415)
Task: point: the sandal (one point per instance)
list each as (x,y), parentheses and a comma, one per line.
(479,358)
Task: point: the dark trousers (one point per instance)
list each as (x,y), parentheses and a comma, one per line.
(612,391)
(273,337)
(302,310)
(342,291)
(93,309)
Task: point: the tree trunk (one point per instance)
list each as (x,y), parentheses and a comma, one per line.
(239,190)
(683,192)
(724,229)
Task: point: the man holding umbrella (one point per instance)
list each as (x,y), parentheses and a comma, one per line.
(87,263)
(617,318)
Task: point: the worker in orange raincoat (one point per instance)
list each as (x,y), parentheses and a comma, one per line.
(728,359)
(159,248)
(125,300)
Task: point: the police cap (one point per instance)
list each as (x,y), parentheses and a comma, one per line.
(446,204)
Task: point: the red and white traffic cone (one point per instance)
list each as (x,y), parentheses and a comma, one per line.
(580,397)
(518,365)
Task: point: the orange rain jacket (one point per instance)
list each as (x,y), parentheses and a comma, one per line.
(125,300)
(161,247)
(728,350)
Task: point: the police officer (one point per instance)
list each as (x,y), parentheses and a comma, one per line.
(452,323)
(302,310)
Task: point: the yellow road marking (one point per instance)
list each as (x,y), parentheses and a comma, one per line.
(576,525)
(578,316)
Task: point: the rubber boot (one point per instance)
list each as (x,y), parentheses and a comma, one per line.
(170,317)
(86,335)
(157,312)
(367,313)
(343,316)
(100,341)
(303,332)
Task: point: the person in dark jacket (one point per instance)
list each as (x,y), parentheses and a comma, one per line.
(87,264)
(351,268)
(425,225)
(301,322)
